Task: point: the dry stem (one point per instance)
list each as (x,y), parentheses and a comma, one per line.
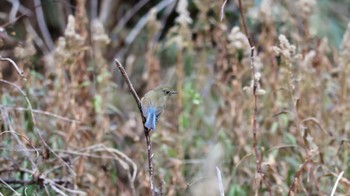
(255,95)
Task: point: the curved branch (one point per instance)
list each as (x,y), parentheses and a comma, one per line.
(146,130)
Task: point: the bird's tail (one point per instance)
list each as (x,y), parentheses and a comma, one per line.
(151,119)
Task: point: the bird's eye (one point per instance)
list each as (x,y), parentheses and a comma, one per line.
(166,92)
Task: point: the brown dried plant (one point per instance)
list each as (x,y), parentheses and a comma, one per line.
(262,109)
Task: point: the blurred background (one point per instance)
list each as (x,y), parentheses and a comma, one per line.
(70,126)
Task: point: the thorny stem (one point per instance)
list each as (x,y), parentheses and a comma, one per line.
(255,95)
(146,131)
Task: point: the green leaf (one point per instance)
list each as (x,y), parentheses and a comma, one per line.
(97,102)
(172,152)
(236,190)
(184,121)
(274,127)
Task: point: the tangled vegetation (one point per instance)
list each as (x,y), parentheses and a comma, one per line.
(273,123)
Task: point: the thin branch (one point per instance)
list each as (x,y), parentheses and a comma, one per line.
(11,169)
(53,186)
(93,9)
(255,86)
(14,10)
(36,38)
(131,12)
(25,138)
(43,113)
(139,26)
(127,80)
(28,182)
(222,14)
(77,153)
(54,183)
(165,17)
(255,95)
(244,25)
(19,71)
(24,12)
(142,22)
(296,177)
(42,25)
(150,161)
(221,185)
(106,10)
(147,132)
(120,156)
(314,120)
(3,182)
(336,183)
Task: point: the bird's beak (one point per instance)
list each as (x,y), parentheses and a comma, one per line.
(173,92)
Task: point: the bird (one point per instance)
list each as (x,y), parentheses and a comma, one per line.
(153,103)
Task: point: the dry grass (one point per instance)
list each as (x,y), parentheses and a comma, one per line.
(70,126)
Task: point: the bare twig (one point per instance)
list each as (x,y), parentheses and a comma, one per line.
(147,132)
(296,177)
(33,181)
(24,12)
(93,9)
(139,26)
(222,13)
(3,182)
(255,95)
(14,10)
(255,85)
(85,154)
(336,183)
(43,113)
(25,138)
(314,120)
(39,42)
(142,22)
(150,159)
(131,12)
(220,183)
(246,32)
(54,185)
(131,88)
(19,71)
(42,24)
(120,156)
(165,17)
(106,10)
(16,169)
